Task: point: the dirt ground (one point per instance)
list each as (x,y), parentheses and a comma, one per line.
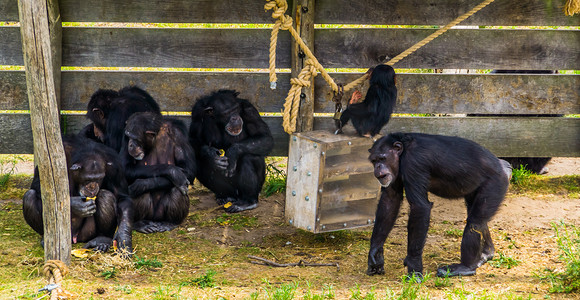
(521,229)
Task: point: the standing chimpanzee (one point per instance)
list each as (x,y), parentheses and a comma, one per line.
(449,167)
(98,196)
(159,165)
(108,111)
(369,116)
(230,140)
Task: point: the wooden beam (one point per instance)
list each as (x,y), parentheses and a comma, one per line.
(44,114)
(304,18)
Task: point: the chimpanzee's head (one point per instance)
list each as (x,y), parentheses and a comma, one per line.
(385,155)
(86,175)
(98,110)
(383,75)
(224,108)
(141,130)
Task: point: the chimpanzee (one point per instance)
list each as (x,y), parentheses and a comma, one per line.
(369,116)
(449,167)
(159,165)
(99,202)
(108,111)
(230,140)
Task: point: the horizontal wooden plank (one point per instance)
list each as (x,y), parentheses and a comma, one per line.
(473,93)
(556,137)
(158,47)
(506,136)
(456,49)
(399,12)
(420,12)
(418,93)
(335,48)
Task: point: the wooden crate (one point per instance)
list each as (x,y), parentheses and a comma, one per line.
(330,183)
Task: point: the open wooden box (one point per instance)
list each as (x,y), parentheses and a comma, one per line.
(330,183)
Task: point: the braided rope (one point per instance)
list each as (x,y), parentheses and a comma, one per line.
(284,22)
(54,270)
(572,7)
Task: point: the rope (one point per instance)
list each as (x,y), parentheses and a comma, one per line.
(284,22)
(572,7)
(54,270)
(292,103)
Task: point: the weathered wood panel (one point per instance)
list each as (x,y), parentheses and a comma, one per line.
(394,12)
(507,136)
(420,12)
(464,94)
(456,49)
(503,136)
(335,48)
(148,47)
(418,93)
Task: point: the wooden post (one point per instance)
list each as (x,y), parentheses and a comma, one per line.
(304,18)
(44,115)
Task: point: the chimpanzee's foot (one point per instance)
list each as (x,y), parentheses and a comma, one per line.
(376,270)
(485,257)
(100,243)
(241,206)
(147,226)
(455,270)
(224,200)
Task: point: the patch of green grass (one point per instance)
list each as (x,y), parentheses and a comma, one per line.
(520,175)
(454,232)
(108,274)
(568,240)
(203,281)
(503,261)
(127,289)
(167,292)
(567,185)
(283,292)
(275,181)
(327,293)
(356,294)
(236,221)
(7,168)
(147,263)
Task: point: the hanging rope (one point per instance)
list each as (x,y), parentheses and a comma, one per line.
(54,270)
(572,7)
(284,22)
(292,103)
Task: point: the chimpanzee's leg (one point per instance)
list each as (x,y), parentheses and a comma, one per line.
(483,204)
(387,212)
(99,228)
(249,178)
(417,227)
(218,183)
(32,210)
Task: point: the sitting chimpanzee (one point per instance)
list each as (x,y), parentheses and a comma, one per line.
(159,165)
(369,116)
(98,196)
(449,167)
(230,140)
(108,111)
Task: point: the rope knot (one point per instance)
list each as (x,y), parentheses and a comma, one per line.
(300,82)
(56,268)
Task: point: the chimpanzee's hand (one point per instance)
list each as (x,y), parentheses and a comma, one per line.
(138,188)
(220,161)
(376,262)
(100,243)
(80,206)
(177,176)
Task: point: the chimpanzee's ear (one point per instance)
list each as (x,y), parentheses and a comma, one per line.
(398,146)
(99,113)
(75,167)
(150,134)
(209,111)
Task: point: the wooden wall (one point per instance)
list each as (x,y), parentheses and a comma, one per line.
(239,54)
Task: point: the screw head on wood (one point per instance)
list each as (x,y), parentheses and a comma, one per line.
(293,193)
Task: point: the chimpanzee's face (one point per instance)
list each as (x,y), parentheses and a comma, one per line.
(385,159)
(226,112)
(87,175)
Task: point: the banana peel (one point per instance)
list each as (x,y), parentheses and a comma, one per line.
(81,253)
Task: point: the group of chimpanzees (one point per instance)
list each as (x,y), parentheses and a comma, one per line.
(131,167)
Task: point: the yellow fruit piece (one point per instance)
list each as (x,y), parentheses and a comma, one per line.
(227,205)
(222,152)
(81,253)
(92,198)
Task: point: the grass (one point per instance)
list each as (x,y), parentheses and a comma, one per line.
(275,180)
(567,185)
(236,221)
(147,263)
(568,240)
(503,261)
(203,281)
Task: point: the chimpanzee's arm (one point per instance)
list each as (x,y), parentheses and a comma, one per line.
(387,212)
(418,224)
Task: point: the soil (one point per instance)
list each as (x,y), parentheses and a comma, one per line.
(521,229)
